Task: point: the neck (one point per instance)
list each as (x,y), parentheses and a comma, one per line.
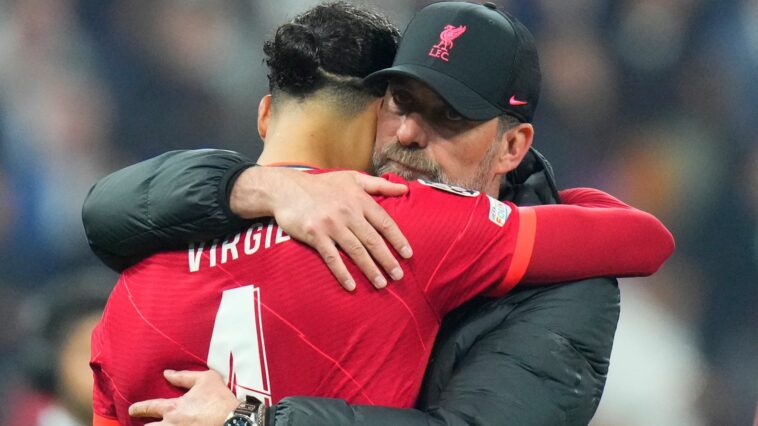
(493,188)
(311,133)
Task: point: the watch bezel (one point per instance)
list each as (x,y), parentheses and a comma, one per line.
(248,410)
(250,421)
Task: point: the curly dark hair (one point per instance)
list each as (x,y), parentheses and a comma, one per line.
(334,46)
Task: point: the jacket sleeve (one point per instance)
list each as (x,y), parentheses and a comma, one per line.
(538,356)
(161,204)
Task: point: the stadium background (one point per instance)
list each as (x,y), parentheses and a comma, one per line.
(655,101)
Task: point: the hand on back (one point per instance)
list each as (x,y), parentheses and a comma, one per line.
(328,211)
(207,402)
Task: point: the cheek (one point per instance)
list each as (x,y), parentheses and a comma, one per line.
(474,147)
(386,129)
(446,157)
(457,159)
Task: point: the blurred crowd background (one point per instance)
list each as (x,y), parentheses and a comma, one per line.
(655,101)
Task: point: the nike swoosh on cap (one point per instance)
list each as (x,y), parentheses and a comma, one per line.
(515,102)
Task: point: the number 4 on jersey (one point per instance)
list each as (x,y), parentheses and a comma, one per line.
(237,350)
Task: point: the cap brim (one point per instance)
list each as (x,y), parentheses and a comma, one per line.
(462,99)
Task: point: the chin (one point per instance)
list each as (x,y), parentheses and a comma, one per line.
(406,174)
(400,171)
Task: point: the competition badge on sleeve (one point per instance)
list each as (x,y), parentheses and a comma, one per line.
(499,212)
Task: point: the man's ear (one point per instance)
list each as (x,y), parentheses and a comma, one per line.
(264,111)
(515,144)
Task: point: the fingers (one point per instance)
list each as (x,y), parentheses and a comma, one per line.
(359,234)
(380,220)
(372,249)
(380,186)
(383,223)
(154,408)
(331,256)
(183,379)
(363,244)
(351,221)
(356,248)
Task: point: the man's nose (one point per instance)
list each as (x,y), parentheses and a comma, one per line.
(413,131)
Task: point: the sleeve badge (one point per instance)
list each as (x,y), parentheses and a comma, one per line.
(499,212)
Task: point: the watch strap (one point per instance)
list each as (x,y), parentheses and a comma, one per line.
(247,409)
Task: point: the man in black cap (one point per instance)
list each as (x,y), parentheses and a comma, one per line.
(451,47)
(438,108)
(465,73)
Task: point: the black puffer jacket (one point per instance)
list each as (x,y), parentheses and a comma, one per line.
(538,356)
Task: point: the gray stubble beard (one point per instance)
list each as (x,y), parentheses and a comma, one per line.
(428,169)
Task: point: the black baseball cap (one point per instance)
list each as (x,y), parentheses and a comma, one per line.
(480,60)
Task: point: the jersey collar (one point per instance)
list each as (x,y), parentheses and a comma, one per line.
(296,166)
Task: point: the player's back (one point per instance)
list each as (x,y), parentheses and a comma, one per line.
(275,322)
(266,313)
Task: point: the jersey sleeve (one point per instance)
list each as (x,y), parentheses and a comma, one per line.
(103,407)
(465,243)
(596,235)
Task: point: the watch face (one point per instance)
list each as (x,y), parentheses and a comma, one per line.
(239,421)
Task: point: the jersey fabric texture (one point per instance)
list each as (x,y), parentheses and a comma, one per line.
(483,368)
(249,306)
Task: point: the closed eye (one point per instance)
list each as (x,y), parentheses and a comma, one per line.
(451,115)
(402,98)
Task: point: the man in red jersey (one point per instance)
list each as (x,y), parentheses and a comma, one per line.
(213,304)
(255,306)
(263,310)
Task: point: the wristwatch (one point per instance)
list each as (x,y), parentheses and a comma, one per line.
(251,412)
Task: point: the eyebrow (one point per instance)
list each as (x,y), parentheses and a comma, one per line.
(398,85)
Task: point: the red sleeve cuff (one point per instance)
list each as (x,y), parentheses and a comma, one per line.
(98,420)
(522,254)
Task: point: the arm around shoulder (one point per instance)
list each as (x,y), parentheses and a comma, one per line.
(161,203)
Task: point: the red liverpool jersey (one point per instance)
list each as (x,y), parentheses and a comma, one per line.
(265,312)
